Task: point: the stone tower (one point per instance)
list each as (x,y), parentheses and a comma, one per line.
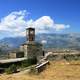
(31,48)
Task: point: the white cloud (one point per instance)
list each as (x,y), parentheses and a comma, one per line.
(59,27)
(15,24)
(43,24)
(46,25)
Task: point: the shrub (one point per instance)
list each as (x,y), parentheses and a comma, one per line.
(28,62)
(72,57)
(52,57)
(11,69)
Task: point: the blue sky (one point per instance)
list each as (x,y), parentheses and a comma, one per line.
(66,12)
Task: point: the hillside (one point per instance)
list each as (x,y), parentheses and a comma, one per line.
(57,70)
(71,40)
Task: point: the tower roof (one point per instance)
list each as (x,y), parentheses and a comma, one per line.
(30,28)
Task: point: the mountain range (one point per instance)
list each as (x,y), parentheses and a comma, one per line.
(71,40)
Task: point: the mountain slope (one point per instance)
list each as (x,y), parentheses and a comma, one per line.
(51,41)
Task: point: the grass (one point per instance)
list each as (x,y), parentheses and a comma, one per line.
(57,70)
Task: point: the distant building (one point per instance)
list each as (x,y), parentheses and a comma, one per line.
(15,54)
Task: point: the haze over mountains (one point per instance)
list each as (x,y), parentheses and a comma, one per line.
(71,40)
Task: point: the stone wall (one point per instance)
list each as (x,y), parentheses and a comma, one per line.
(12,55)
(33,50)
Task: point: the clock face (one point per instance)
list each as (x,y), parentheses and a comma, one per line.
(31,32)
(27,32)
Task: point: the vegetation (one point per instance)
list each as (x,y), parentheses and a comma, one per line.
(57,70)
(68,57)
(52,57)
(33,70)
(72,57)
(28,62)
(11,69)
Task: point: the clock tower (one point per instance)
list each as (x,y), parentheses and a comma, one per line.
(30,34)
(32,49)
